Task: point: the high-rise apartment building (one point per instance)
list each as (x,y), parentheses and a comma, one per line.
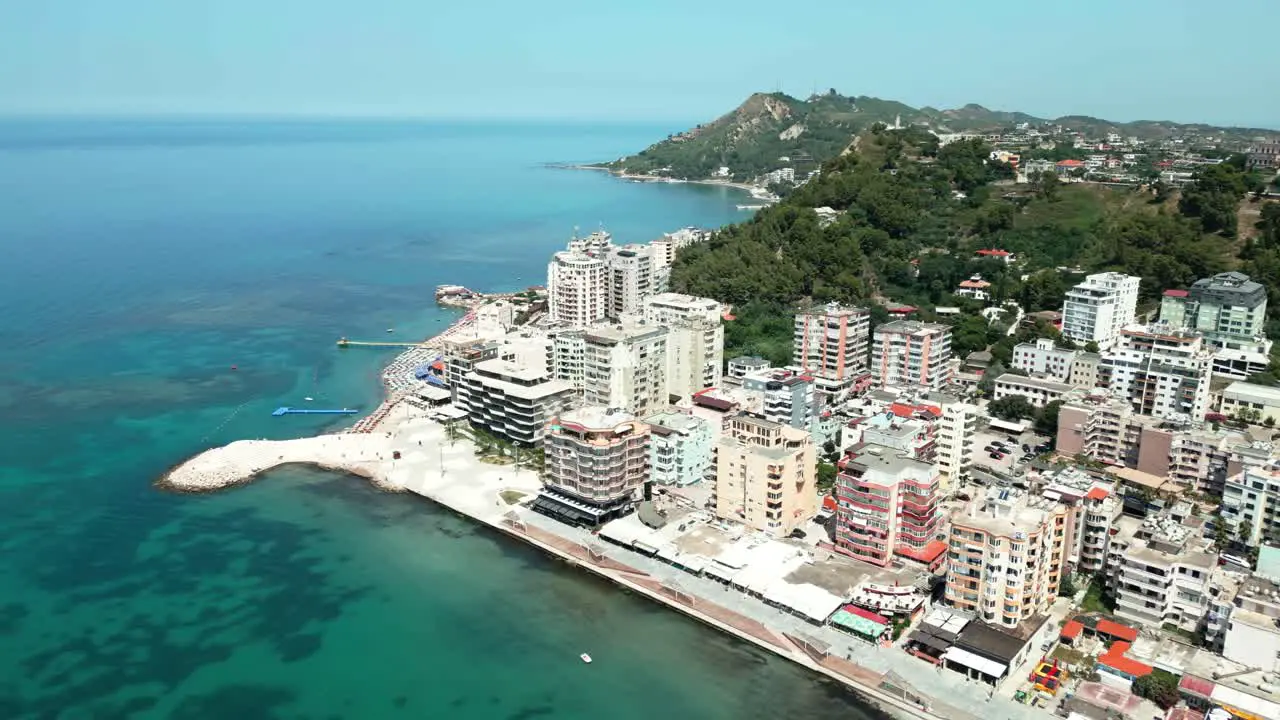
(912,354)
(1251,503)
(765,475)
(1193,455)
(1227,306)
(1097,308)
(578,282)
(625,366)
(956,427)
(1163,372)
(830,344)
(1006,556)
(1160,573)
(597,462)
(695,340)
(887,503)
(629,280)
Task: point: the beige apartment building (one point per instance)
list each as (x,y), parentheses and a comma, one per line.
(1006,555)
(765,475)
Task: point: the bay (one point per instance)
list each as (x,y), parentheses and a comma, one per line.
(143,260)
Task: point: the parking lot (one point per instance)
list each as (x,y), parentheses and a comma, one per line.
(1010,460)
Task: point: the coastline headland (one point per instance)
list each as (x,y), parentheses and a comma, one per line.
(409,453)
(399,449)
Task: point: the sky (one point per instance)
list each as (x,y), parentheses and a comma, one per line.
(679,60)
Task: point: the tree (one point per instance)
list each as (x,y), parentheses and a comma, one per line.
(1047,185)
(1047,418)
(1244,531)
(987,384)
(1160,687)
(1091,347)
(826,475)
(1012,407)
(1067,587)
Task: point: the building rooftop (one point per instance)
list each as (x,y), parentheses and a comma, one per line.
(885,466)
(1266,393)
(912,327)
(596,417)
(614,334)
(1034,382)
(671,421)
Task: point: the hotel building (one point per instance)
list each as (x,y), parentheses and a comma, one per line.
(597,462)
(512,401)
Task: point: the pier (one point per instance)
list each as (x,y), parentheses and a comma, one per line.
(343,342)
(308,411)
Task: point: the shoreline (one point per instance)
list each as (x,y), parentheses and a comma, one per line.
(477,492)
(641,177)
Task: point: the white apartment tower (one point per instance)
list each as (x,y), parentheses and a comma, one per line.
(912,354)
(625,366)
(630,280)
(695,340)
(1097,308)
(1164,373)
(830,344)
(578,282)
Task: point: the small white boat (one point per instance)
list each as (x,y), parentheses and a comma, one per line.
(308,399)
(391,330)
(585,658)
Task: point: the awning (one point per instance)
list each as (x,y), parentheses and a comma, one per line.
(929,640)
(552,507)
(716,570)
(987,667)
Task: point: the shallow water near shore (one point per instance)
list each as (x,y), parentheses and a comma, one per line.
(143,261)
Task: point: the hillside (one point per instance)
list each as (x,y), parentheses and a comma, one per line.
(776,131)
(911,218)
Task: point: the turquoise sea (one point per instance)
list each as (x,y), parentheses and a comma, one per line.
(140,261)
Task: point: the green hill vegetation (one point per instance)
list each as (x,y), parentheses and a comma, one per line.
(756,137)
(912,216)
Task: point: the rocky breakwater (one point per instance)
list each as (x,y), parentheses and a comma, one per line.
(365,455)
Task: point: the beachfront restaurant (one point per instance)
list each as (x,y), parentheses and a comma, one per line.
(862,624)
(983,652)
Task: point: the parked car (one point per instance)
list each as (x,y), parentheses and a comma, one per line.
(996,456)
(1026,448)
(1028,457)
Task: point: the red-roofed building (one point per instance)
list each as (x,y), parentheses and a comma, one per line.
(996,254)
(975,287)
(1071,631)
(1068,165)
(1115,662)
(1116,631)
(1097,493)
(1176,293)
(867,615)
(1196,687)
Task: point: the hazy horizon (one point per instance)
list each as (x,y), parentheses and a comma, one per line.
(663,61)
